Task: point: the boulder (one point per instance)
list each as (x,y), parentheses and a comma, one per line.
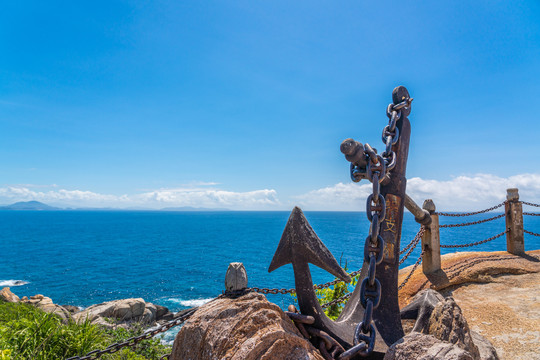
(248,328)
(420,346)
(64,314)
(72,309)
(126,310)
(163,313)
(447,323)
(485,347)
(8,296)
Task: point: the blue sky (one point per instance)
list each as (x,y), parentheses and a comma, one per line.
(243,104)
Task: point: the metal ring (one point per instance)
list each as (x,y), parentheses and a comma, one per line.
(369,340)
(378,249)
(394,134)
(372,269)
(369,208)
(392,164)
(380,164)
(375,295)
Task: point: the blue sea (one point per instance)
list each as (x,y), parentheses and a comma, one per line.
(179,259)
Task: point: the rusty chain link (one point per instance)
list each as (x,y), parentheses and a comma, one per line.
(471,213)
(531,233)
(531,214)
(475,243)
(133,341)
(412,245)
(473,222)
(412,271)
(530,204)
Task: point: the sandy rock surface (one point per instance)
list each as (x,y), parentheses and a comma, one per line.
(498,293)
(246,328)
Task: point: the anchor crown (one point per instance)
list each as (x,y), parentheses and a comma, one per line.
(300,243)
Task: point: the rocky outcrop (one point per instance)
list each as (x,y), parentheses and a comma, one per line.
(420,308)
(247,328)
(122,311)
(8,296)
(420,346)
(448,324)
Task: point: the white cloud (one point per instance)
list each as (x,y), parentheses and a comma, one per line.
(196,197)
(458,194)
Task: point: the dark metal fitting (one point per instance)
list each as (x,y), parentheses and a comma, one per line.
(360,338)
(387,133)
(377,250)
(372,269)
(404,104)
(371,152)
(373,293)
(358,173)
(354,152)
(368,316)
(304,319)
(329,342)
(380,207)
(392,164)
(379,167)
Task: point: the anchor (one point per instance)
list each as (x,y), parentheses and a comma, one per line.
(300,245)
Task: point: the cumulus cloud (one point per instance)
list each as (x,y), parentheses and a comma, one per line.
(461,193)
(196,197)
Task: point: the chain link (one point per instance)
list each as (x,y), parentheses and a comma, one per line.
(475,243)
(472,213)
(473,222)
(412,271)
(531,233)
(412,245)
(530,204)
(531,214)
(133,341)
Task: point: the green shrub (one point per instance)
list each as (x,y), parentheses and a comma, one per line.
(29,333)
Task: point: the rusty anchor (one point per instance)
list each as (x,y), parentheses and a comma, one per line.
(299,245)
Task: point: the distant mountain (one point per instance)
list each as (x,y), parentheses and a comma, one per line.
(28,205)
(190,208)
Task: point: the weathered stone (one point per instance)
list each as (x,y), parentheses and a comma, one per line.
(420,308)
(122,310)
(72,309)
(485,348)
(420,346)
(447,323)
(162,311)
(236,277)
(248,328)
(8,296)
(64,314)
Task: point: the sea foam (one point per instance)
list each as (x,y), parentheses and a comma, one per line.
(190,303)
(13,283)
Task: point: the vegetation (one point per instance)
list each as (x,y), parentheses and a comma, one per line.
(29,333)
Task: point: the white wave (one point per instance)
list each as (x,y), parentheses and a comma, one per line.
(13,282)
(190,303)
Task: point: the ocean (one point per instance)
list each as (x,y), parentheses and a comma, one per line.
(179,259)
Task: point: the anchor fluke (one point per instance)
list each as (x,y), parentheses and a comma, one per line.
(299,243)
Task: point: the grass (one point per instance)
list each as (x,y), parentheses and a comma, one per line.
(29,333)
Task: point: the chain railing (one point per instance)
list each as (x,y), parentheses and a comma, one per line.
(133,341)
(471,213)
(476,242)
(473,222)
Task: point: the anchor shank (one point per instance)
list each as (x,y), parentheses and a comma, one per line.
(386,316)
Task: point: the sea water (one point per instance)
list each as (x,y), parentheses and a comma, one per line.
(179,259)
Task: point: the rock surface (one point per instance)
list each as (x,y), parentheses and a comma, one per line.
(8,296)
(246,328)
(420,346)
(503,308)
(420,309)
(447,323)
(126,310)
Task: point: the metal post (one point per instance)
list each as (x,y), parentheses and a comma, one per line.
(431,241)
(514,223)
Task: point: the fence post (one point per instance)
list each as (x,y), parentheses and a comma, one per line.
(236,277)
(514,223)
(431,242)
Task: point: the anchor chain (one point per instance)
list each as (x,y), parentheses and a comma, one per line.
(376,170)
